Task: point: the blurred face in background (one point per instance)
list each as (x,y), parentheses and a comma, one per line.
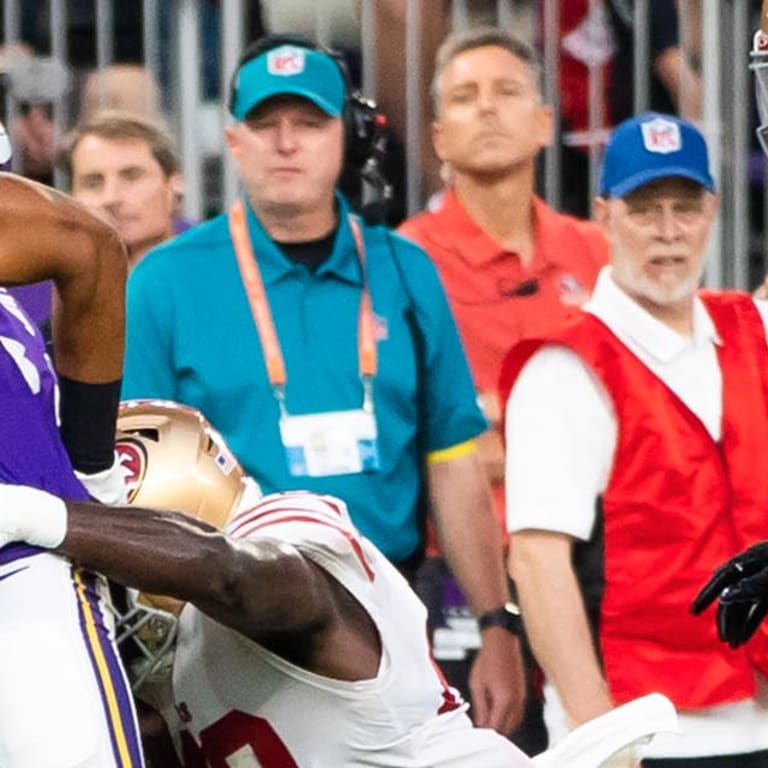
(122,180)
(490,119)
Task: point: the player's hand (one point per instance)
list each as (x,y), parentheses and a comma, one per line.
(497,682)
(741,588)
(31,515)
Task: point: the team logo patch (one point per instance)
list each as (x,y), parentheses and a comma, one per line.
(572,292)
(286,61)
(662,136)
(132,457)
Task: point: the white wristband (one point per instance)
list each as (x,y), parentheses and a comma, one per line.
(31,515)
(107,486)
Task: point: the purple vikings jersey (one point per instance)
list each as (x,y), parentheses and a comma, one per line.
(31,450)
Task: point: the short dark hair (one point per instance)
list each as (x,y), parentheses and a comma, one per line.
(117,124)
(481,37)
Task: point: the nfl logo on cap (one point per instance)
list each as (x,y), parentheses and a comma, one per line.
(661,136)
(286,61)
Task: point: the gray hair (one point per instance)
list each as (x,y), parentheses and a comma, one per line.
(481,37)
(114,124)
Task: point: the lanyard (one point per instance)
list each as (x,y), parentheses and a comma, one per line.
(265,325)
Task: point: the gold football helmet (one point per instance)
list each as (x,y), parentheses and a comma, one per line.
(172,458)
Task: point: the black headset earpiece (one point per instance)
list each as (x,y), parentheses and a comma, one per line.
(362,122)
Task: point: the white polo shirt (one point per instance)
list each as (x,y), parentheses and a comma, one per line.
(561,438)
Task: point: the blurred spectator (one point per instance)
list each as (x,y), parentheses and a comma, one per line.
(586,49)
(598,41)
(34,82)
(498,248)
(379,422)
(127,87)
(126,167)
(81,30)
(675,85)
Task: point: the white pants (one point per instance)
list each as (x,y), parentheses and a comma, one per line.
(64,698)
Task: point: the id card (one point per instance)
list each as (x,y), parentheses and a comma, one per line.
(332,443)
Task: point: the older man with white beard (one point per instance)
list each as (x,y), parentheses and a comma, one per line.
(637,447)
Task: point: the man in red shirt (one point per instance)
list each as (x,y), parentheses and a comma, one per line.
(511,266)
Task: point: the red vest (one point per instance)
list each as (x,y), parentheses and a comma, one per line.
(676,506)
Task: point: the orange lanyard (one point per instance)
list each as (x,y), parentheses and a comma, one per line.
(262,314)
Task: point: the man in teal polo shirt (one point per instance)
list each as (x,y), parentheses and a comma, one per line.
(323,349)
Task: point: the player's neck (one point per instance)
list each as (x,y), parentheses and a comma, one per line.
(502,207)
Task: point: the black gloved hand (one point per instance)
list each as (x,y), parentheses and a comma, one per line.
(741,585)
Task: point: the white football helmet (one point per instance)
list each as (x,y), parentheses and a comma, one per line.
(172,458)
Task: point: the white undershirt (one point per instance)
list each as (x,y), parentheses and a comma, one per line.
(561,438)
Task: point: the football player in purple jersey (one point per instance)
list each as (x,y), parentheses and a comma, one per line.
(64,699)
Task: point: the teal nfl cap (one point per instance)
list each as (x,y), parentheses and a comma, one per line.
(290,69)
(653,146)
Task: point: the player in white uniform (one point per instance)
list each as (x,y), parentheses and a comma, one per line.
(398,712)
(299,644)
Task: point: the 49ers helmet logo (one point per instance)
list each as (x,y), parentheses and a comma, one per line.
(132,456)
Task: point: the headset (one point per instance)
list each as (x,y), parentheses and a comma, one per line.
(363,123)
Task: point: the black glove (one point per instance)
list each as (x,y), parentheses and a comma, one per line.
(741,585)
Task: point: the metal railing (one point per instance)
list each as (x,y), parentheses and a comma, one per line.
(737,252)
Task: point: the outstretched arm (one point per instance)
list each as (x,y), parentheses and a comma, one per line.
(255,587)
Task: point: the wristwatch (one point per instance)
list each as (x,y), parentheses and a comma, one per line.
(507,617)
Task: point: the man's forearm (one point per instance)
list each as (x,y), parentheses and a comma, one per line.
(253,587)
(467,530)
(556,624)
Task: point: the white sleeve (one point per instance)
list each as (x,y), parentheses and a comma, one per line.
(251,496)
(762,308)
(561,438)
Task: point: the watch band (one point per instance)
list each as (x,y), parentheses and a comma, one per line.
(507,617)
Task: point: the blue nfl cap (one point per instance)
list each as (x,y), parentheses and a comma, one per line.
(290,69)
(653,146)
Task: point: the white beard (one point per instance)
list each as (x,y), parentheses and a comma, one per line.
(661,293)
